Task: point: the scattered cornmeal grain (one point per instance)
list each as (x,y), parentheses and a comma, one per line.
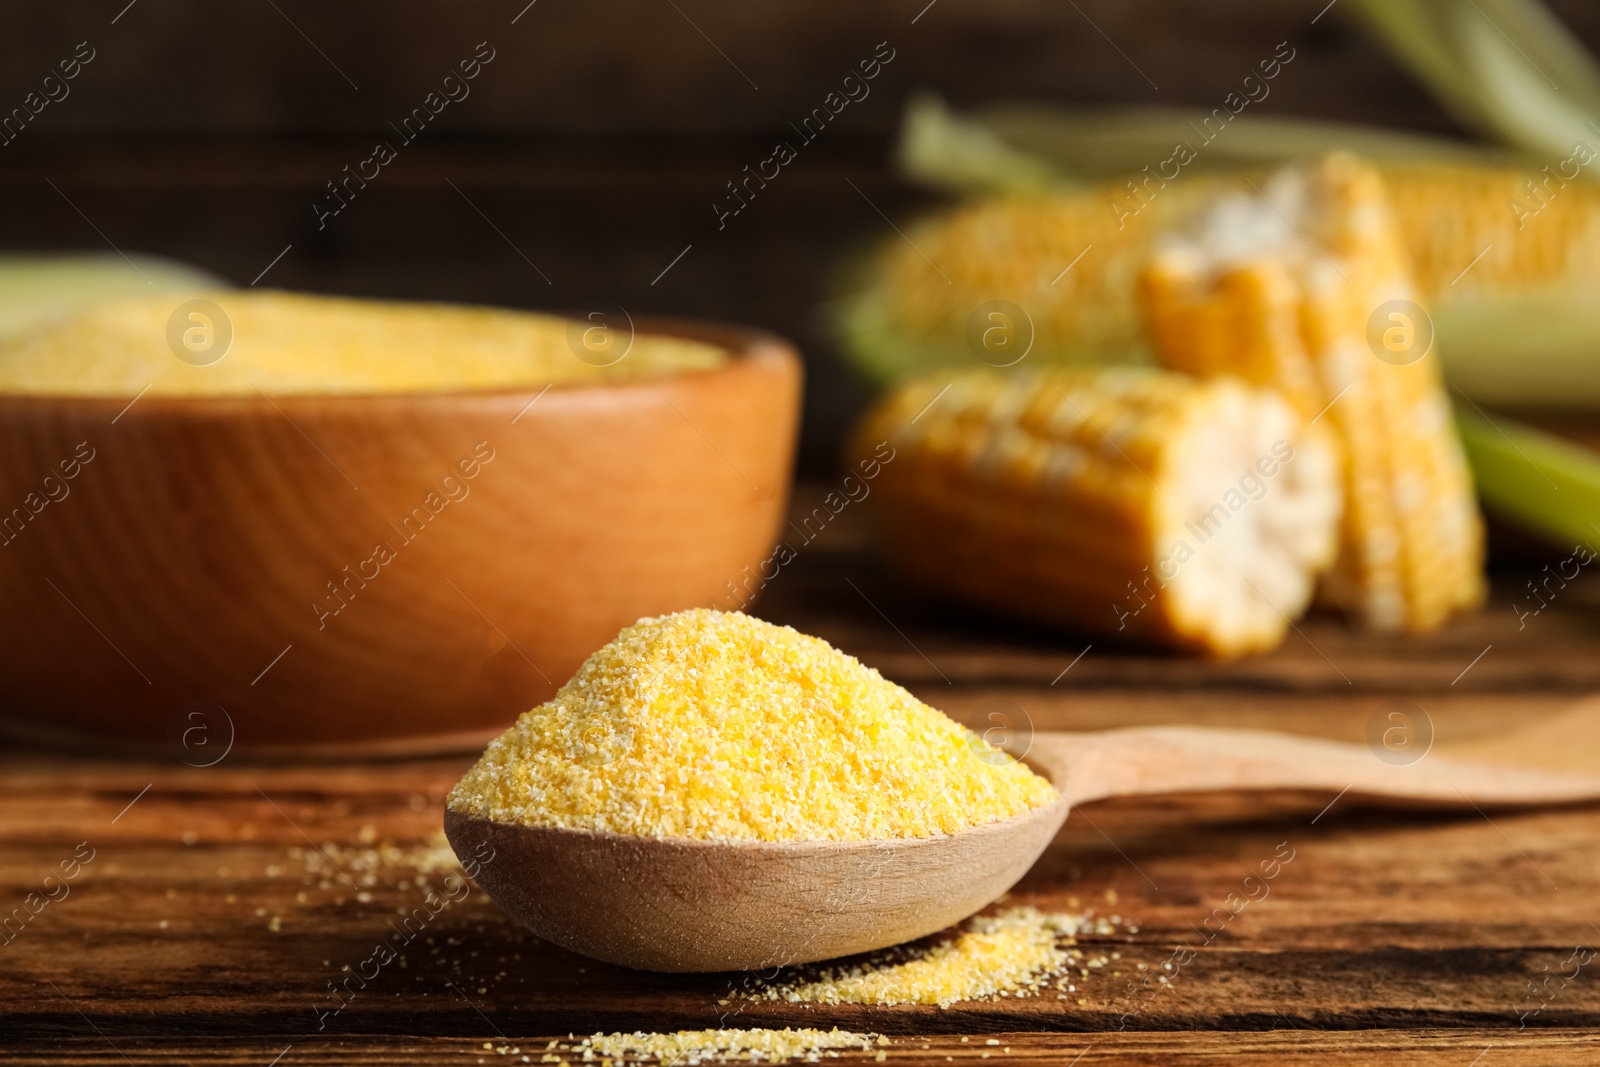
(690,1047)
(717,726)
(331,862)
(286,343)
(1013,953)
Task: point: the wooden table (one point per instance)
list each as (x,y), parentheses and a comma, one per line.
(208,923)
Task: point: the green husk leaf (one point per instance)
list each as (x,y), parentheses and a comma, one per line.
(1522,350)
(1507,69)
(1016,147)
(1541,483)
(37,288)
(946,151)
(1102,142)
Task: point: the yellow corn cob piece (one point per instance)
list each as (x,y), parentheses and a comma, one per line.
(1125,501)
(1522,232)
(1489,247)
(1279,287)
(1068,260)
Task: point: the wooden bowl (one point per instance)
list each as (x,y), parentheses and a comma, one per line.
(388,574)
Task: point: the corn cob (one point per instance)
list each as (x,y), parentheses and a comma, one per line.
(1127,501)
(1541,230)
(905,317)
(1493,250)
(1279,288)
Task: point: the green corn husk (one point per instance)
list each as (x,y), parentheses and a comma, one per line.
(36,288)
(1540,483)
(1507,69)
(1035,147)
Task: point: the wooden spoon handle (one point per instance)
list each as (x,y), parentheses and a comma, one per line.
(1182,759)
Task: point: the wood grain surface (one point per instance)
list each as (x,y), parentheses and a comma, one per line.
(216,909)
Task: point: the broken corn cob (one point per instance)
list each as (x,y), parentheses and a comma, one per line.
(1126,501)
(1282,287)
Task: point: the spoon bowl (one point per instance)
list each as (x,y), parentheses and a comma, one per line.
(676,904)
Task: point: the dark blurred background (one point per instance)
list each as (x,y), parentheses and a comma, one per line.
(592,147)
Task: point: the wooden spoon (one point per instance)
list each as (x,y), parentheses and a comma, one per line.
(673,904)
